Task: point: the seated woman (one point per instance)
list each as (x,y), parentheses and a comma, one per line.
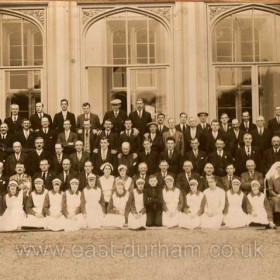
(273,180)
(119,207)
(93,203)
(106,182)
(212,206)
(128,182)
(258,207)
(34,206)
(234,212)
(173,203)
(71,207)
(12,208)
(137,217)
(190,218)
(52,208)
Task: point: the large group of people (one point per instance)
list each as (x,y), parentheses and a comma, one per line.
(130,170)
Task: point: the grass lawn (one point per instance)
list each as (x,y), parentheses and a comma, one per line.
(151,254)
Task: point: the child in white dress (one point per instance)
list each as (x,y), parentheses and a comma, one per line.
(119,207)
(52,208)
(258,207)
(173,203)
(71,207)
(212,206)
(12,206)
(235,205)
(137,217)
(93,204)
(190,218)
(34,206)
(106,182)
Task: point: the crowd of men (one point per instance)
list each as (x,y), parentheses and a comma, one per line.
(65,147)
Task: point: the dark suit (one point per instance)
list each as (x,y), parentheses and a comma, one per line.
(269,157)
(273,126)
(3,185)
(27,143)
(6,146)
(246,180)
(113,140)
(76,164)
(233,142)
(13,126)
(94,120)
(203,183)
(98,161)
(210,146)
(161,182)
(12,161)
(35,121)
(220,163)
(164,129)
(225,130)
(140,123)
(227,183)
(175,163)
(34,161)
(263,142)
(48,182)
(92,139)
(73,137)
(252,126)
(56,166)
(157,143)
(204,132)
(58,121)
(242,157)
(188,138)
(49,139)
(183,183)
(151,160)
(66,182)
(129,162)
(118,123)
(198,161)
(135,141)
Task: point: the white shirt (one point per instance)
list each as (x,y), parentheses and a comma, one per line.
(39,152)
(64,114)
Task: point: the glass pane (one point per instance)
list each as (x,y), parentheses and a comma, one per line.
(269,90)
(243,35)
(226,103)
(11,41)
(225,76)
(119,74)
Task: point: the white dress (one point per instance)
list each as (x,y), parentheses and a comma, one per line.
(191,220)
(215,202)
(73,202)
(59,222)
(133,222)
(107,185)
(119,202)
(235,216)
(38,202)
(257,203)
(171,199)
(94,214)
(14,214)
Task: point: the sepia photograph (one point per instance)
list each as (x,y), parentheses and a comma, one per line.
(139,139)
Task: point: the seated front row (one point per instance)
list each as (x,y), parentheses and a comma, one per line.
(151,206)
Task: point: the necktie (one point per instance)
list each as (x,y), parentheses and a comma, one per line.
(45,131)
(170,154)
(140,114)
(220,153)
(79,156)
(103,155)
(66,178)
(14,119)
(230,181)
(44,176)
(184,128)
(17,156)
(147,154)
(248,152)
(40,115)
(195,153)
(160,129)
(59,158)
(116,114)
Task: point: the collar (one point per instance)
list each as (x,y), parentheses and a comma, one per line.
(40,193)
(139,192)
(16,194)
(252,194)
(173,189)
(197,193)
(71,192)
(89,188)
(53,192)
(238,193)
(121,195)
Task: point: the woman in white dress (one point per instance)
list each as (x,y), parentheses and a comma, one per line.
(71,207)
(106,182)
(173,203)
(12,206)
(93,203)
(34,206)
(190,218)
(128,182)
(119,207)
(137,217)
(52,208)
(212,206)
(235,208)
(258,207)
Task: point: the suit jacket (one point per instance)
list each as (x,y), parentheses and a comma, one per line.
(252,126)
(56,166)
(220,163)
(137,176)
(113,140)
(183,183)
(188,137)
(161,182)
(135,141)
(34,161)
(27,143)
(203,183)
(197,162)
(233,142)
(118,123)
(58,121)
(241,158)
(178,127)
(6,146)
(3,185)
(12,161)
(223,129)
(140,124)
(227,183)
(179,141)
(48,181)
(210,146)
(129,162)
(164,129)
(67,145)
(263,141)
(273,126)
(151,160)
(83,180)
(35,121)
(204,132)
(97,161)
(66,183)
(50,139)
(94,119)
(246,180)
(269,157)
(13,126)
(157,143)
(175,163)
(92,139)
(76,164)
